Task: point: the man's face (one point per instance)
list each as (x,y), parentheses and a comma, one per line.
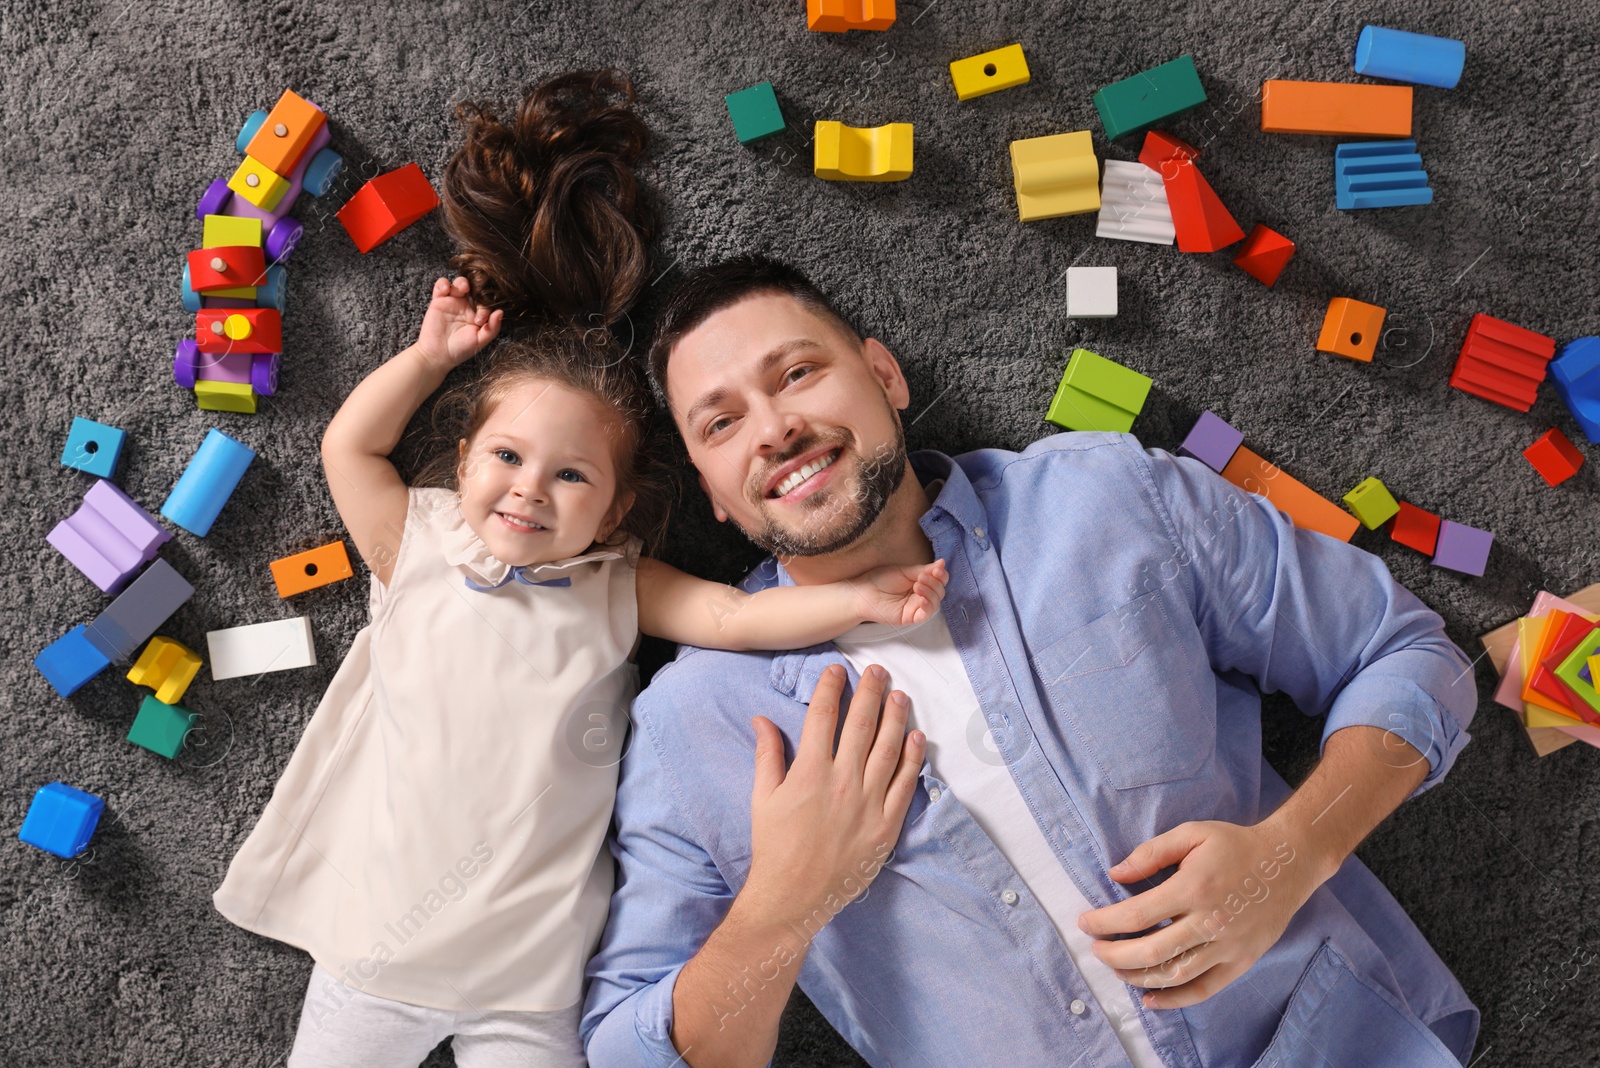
(791,421)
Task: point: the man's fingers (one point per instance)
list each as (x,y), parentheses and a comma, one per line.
(897,799)
(1206,982)
(769,756)
(822,717)
(1137,913)
(861,722)
(1155,948)
(1162,851)
(1175,972)
(887,747)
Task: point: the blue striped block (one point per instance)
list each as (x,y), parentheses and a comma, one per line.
(1379,174)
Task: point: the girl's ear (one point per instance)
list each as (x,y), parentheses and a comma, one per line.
(614,519)
(461,461)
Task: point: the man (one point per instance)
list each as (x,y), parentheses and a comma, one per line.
(1087,702)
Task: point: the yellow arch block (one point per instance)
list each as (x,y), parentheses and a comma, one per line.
(1055,175)
(851,154)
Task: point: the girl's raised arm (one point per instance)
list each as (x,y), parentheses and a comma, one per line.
(692,611)
(365,486)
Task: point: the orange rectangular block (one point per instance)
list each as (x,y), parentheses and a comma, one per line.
(1336,109)
(311,569)
(287,133)
(1305,507)
(837,16)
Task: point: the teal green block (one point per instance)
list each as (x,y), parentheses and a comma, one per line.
(160,727)
(1098,394)
(1372,503)
(1148,98)
(755,113)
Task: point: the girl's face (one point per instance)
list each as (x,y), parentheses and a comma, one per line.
(538,481)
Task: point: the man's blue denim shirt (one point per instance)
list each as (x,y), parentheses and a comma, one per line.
(1119,611)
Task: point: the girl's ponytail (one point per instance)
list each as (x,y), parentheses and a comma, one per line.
(549,216)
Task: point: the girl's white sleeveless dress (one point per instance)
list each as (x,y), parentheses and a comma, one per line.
(438,836)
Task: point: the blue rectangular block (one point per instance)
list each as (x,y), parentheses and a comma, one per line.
(93,447)
(70,661)
(61,819)
(1379,174)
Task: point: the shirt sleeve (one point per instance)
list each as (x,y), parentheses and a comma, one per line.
(1311,616)
(669,897)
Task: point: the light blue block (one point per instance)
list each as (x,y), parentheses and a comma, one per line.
(61,819)
(207,483)
(70,661)
(1575,372)
(1402,56)
(1379,174)
(93,447)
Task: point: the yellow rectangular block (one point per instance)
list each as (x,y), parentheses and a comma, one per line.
(259,184)
(225,396)
(240,292)
(851,154)
(167,667)
(224,231)
(989,72)
(1055,175)
(1336,109)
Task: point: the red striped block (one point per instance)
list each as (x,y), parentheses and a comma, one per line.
(1502,362)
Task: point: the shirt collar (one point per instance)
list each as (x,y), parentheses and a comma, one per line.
(466,551)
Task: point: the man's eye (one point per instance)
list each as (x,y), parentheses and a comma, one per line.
(797,372)
(507,455)
(576,476)
(718,426)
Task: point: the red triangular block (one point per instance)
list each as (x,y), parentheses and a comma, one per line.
(1203,224)
(386,205)
(1264,254)
(1160,147)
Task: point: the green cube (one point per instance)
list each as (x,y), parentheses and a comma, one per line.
(1372,503)
(1568,671)
(160,727)
(1150,97)
(1097,394)
(755,113)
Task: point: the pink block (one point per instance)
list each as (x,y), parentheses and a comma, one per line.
(109,538)
(227,302)
(1509,692)
(224,367)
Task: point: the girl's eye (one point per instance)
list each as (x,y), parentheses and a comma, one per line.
(576,476)
(507,455)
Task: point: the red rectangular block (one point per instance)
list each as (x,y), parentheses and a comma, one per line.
(1502,362)
(238,330)
(226,268)
(386,205)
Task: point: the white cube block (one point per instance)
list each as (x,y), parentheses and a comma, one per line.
(260,647)
(1092,292)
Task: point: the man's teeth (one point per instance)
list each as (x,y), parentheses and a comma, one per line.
(514,521)
(797,477)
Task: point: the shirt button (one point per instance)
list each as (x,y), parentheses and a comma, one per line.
(933,793)
(1009,897)
(977,532)
(1078,1008)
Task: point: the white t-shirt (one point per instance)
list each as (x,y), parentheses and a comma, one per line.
(922,661)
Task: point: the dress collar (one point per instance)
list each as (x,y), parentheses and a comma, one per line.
(482,570)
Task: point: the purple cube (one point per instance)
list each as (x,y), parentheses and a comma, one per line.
(1212,441)
(109,538)
(1462,548)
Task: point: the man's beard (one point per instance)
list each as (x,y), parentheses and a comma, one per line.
(854,509)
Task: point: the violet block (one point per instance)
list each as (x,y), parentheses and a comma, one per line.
(1212,441)
(109,538)
(1462,548)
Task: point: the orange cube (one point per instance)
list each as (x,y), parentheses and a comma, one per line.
(311,569)
(1305,507)
(287,133)
(1351,328)
(1336,108)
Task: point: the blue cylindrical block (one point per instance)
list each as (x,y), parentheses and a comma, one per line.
(207,483)
(1410,57)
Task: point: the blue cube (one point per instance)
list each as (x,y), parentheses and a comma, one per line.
(93,447)
(71,660)
(61,819)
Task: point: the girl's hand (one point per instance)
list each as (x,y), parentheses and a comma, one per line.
(901,596)
(454,329)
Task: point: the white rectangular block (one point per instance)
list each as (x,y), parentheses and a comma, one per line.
(1091,292)
(1133,205)
(260,647)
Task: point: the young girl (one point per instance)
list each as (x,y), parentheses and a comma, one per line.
(436,841)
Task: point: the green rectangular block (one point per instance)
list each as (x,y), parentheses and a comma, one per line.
(1372,503)
(160,727)
(1568,671)
(1148,98)
(1110,381)
(755,113)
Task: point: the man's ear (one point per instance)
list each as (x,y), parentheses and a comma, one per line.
(886,369)
(716,509)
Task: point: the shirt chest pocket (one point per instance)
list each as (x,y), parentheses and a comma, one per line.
(1125,687)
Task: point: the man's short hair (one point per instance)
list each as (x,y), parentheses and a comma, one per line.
(712,288)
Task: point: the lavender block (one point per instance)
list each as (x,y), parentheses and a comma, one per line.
(1462,548)
(224,367)
(1212,441)
(109,538)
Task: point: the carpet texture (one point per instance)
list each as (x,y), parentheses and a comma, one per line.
(116,117)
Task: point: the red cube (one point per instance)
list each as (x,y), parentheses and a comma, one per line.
(1415,528)
(1554,457)
(386,205)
